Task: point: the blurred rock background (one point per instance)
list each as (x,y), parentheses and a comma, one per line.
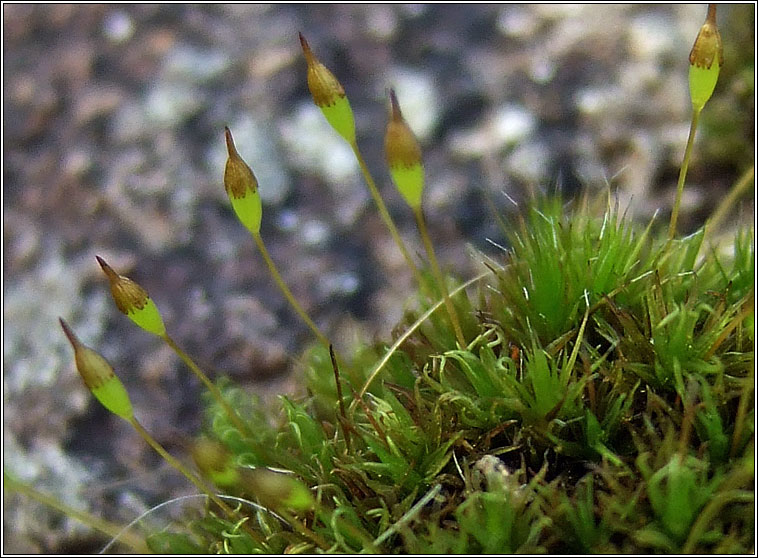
(113,145)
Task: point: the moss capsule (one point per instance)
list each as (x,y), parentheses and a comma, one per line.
(403,155)
(706,59)
(242,187)
(215,462)
(277,490)
(134,301)
(99,377)
(329,95)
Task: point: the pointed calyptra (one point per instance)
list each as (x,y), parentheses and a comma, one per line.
(403,155)
(329,95)
(242,187)
(706,60)
(99,377)
(134,301)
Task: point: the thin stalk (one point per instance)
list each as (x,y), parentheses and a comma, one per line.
(286,292)
(215,392)
(93,522)
(726,204)
(438,276)
(683,172)
(386,215)
(194,479)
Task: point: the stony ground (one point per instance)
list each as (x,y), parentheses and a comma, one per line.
(113,145)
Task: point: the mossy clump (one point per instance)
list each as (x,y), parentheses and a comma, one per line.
(602,404)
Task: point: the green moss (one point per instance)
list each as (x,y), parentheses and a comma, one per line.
(608,424)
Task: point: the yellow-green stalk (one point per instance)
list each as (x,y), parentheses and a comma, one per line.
(242,187)
(194,479)
(706,60)
(101,380)
(725,205)
(133,300)
(274,490)
(329,96)
(115,531)
(403,154)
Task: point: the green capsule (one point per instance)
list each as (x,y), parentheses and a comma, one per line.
(403,155)
(215,462)
(329,95)
(99,377)
(278,490)
(340,117)
(706,60)
(133,300)
(242,188)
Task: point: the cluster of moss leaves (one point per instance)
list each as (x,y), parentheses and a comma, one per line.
(604,404)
